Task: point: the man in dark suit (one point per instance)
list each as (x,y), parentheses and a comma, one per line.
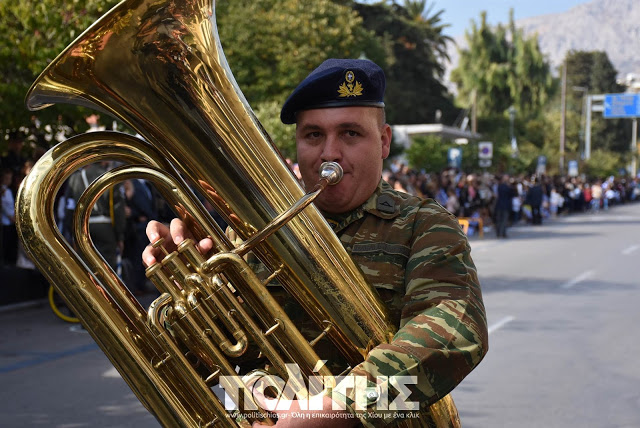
(503,206)
(140,209)
(534,199)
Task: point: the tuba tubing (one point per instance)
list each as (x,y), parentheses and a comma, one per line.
(158,66)
(108,311)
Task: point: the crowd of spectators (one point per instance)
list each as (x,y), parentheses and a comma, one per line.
(487,201)
(531,198)
(117,221)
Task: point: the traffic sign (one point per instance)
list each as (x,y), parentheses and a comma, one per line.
(573,168)
(485,150)
(454,157)
(621,106)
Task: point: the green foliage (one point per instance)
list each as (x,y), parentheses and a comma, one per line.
(505,68)
(416,48)
(283,136)
(34,33)
(501,67)
(271,45)
(603,163)
(592,71)
(428,153)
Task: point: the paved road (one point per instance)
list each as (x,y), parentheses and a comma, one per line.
(562,302)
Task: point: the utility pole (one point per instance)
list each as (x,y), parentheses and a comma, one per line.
(474,111)
(634,147)
(563,109)
(512,134)
(583,116)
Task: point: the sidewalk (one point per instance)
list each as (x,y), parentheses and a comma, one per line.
(21,285)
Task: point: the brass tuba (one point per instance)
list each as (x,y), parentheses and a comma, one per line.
(158,66)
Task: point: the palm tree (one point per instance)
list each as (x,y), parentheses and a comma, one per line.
(431,22)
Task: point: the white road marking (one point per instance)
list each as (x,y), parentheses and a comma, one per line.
(578,279)
(504,321)
(630,250)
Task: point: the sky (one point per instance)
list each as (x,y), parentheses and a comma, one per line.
(459,13)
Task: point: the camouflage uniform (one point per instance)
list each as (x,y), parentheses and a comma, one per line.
(415,254)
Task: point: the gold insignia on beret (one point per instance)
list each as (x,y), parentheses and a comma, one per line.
(348,88)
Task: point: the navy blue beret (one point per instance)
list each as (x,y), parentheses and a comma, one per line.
(337,83)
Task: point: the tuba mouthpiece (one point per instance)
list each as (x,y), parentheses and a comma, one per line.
(331,171)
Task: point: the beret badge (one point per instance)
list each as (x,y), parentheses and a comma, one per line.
(348,88)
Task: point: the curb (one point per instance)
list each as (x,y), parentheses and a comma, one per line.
(22,305)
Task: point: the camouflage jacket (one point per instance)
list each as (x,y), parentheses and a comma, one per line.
(416,255)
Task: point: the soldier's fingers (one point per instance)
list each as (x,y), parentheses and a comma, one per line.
(205,245)
(150,255)
(179,231)
(156,230)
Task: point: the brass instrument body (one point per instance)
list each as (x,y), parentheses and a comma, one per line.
(157,66)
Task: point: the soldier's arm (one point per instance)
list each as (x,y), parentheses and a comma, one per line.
(443,333)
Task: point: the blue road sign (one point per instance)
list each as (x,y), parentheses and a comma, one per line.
(621,105)
(454,157)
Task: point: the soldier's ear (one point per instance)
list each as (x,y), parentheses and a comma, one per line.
(385,139)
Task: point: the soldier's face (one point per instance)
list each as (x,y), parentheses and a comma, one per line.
(354,137)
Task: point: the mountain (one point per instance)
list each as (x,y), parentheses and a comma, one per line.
(612,26)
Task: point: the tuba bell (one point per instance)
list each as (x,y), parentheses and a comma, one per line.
(158,66)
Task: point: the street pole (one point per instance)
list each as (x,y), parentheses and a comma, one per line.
(587,131)
(474,112)
(583,116)
(563,115)
(512,133)
(634,146)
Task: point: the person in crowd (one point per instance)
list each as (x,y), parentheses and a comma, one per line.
(516,203)
(596,196)
(15,158)
(453,205)
(421,264)
(534,200)
(556,201)
(8,243)
(93,120)
(140,208)
(503,206)
(107,220)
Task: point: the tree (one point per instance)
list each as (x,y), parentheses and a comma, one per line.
(431,21)
(592,71)
(503,68)
(428,153)
(290,39)
(483,69)
(34,33)
(415,48)
(267,59)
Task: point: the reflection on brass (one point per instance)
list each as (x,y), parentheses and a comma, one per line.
(157,65)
